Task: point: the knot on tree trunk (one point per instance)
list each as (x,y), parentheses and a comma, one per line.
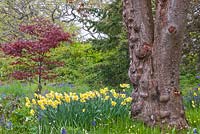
(135,74)
(143,51)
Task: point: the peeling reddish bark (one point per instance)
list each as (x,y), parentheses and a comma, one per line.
(155,50)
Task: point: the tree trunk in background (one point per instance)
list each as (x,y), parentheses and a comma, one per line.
(198,62)
(155,52)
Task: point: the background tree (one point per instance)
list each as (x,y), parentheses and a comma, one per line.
(155,53)
(31,51)
(111,69)
(191,48)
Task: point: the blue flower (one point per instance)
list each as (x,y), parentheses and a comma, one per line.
(2,120)
(94,123)
(3,95)
(195,131)
(9,125)
(63,131)
(198,77)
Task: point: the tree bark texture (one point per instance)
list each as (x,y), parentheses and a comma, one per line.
(155,52)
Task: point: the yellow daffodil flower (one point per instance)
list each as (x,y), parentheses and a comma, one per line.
(27,104)
(104,91)
(67,98)
(113,103)
(123,95)
(82,100)
(115,95)
(195,94)
(124,85)
(32,112)
(193,106)
(34,101)
(42,107)
(192,102)
(123,103)
(129,99)
(75,98)
(106,97)
(36,95)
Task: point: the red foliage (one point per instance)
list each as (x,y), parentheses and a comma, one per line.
(42,37)
(20,75)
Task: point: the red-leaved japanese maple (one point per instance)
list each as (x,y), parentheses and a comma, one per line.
(30,50)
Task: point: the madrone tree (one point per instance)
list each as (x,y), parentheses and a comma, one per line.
(155,52)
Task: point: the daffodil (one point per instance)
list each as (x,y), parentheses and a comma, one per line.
(42,107)
(58,102)
(106,97)
(75,97)
(129,99)
(27,99)
(91,94)
(82,100)
(124,85)
(97,93)
(104,91)
(112,91)
(32,112)
(195,94)
(72,94)
(115,95)
(83,110)
(34,101)
(36,95)
(113,103)
(54,105)
(123,95)
(27,104)
(58,96)
(67,98)
(192,102)
(49,102)
(123,103)
(193,106)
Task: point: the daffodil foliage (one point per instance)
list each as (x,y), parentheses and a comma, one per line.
(83,109)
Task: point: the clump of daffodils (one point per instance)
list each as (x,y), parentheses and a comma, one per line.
(54,99)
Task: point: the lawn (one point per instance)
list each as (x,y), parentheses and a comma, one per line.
(66,108)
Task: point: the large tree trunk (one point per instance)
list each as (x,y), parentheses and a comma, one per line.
(155,50)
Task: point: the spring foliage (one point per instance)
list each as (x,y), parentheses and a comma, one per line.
(31,48)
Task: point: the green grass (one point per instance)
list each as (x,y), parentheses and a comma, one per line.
(121,126)
(27,89)
(17,88)
(112,126)
(188,82)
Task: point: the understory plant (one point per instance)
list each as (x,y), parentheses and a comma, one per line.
(192,97)
(83,110)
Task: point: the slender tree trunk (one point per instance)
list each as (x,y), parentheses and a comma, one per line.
(40,78)
(198,62)
(155,48)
